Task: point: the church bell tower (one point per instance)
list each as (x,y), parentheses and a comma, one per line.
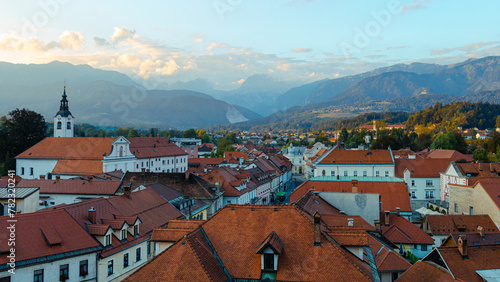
(64,120)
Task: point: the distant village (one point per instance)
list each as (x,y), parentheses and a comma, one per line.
(268,206)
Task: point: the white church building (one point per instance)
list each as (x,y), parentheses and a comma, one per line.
(67,156)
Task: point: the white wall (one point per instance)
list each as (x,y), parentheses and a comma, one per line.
(51,270)
(58,199)
(339,170)
(40,167)
(119,272)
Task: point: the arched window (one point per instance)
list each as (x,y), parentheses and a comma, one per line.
(59,125)
(68,125)
(121,151)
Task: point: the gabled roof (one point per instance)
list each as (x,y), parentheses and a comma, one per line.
(342,220)
(151,147)
(426,271)
(393,194)
(168,234)
(421,167)
(349,236)
(444,154)
(386,258)
(446,224)
(233,235)
(78,167)
(473,239)
(401,230)
(311,203)
(73,186)
(152,210)
(478,258)
(339,155)
(272,241)
(43,235)
(69,148)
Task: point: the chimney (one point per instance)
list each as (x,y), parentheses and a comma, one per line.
(42,176)
(186,174)
(127,189)
(480,230)
(317,229)
(377,225)
(92,215)
(462,245)
(217,187)
(398,209)
(354,185)
(386,219)
(157,135)
(350,222)
(58,177)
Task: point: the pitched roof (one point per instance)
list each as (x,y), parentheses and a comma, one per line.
(474,239)
(311,203)
(235,154)
(152,210)
(189,260)
(44,234)
(401,230)
(393,194)
(342,220)
(69,148)
(235,233)
(476,171)
(169,234)
(78,167)
(73,186)
(444,154)
(421,167)
(272,241)
(446,224)
(21,192)
(349,236)
(386,258)
(185,183)
(151,147)
(339,155)
(426,271)
(478,258)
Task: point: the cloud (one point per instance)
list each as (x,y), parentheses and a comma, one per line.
(466,48)
(416,4)
(99,41)
(214,45)
(397,47)
(240,81)
(283,67)
(71,39)
(197,40)
(121,33)
(301,50)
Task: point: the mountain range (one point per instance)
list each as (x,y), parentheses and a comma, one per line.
(111,98)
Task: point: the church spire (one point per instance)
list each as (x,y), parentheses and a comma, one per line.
(64,108)
(64,120)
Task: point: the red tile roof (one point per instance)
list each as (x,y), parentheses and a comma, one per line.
(386,258)
(235,154)
(70,148)
(342,220)
(339,155)
(478,258)
(73,186)
(169,234)
(235,232)
(426,271)
(312,203)
(184,224)
(477,171)
(78,167)
(393,194)
(446,224)
(349,236)
(151,147)
(401,230)
(474,239)
(444,154)
(43,234)
(421,167)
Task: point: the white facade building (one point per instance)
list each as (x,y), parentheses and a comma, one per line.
(64,121)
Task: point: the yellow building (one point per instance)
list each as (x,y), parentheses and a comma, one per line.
(481,198)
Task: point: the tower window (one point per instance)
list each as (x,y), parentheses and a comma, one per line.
(59,125)
(68,125)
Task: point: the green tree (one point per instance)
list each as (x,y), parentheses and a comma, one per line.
(132,133)
(344,135)
(205,138)
(190,133)
(444,141)
(21,131)
(481,155)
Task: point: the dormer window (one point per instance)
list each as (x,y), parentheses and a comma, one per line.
(124,234)
(136,230)
(270,250)
(108,240)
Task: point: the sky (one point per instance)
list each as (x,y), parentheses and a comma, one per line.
(227,41)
